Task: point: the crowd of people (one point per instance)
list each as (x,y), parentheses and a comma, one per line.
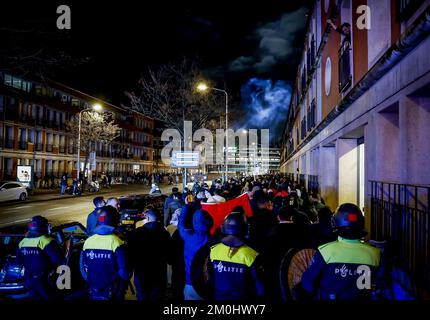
(184,253)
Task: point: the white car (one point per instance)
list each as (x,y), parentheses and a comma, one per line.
(12,190)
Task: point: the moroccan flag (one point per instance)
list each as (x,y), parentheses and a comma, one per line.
(218,211)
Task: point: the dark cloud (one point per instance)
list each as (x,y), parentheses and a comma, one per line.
(276,44)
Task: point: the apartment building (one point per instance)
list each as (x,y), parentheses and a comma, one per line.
(33,116)
(358,123)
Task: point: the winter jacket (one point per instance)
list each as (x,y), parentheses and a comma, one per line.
(92,222)
(150,241)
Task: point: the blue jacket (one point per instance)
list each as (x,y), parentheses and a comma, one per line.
(195,236)
(104,255)
(92,222)
(334,272)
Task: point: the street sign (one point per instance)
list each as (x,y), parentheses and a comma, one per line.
(24,174)
(185,159)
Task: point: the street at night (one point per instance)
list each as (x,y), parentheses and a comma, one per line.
(215,159)
(62,209)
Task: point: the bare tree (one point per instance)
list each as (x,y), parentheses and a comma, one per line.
(95,127)
(169,94)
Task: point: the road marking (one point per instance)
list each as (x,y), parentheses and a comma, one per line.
(22,220)
(9,210)
(22,207)
(58,208)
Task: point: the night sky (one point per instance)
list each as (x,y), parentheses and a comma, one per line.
(233,40)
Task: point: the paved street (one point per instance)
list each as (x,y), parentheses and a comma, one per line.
(64,209)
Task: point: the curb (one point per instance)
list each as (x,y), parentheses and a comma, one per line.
(85,195)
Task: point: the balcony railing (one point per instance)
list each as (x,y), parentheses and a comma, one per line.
(148,130)
(22,145)
(27,119)
(401,213)
(303,81)
(311,116)
(345,76)
(11,114)
(48,123)
(9,143)
(303,128)
(49,148)
(38,146)
(62,149)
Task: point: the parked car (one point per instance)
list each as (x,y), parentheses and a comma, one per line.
(132,207)
(70,236)
(12,190)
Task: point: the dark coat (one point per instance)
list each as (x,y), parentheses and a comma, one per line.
(283,237)
(149,250)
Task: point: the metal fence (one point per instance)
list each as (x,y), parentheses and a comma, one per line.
(401,213)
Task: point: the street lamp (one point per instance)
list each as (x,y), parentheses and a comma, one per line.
(255,160)
(96,107)
(203,87)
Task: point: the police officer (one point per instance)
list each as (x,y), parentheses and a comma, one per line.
(105,259)
(39,254)
(336,270)
(236,271)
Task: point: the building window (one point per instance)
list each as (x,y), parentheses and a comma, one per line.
(8,80)
(406,8)
(16,83)
(75,102)
(345,76)
(327,76)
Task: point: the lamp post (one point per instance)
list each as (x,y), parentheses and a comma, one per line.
(96,107)
(202,87)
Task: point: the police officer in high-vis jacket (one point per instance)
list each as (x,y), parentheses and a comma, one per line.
(105,259)
(235,268)
(343,269)
(39,254)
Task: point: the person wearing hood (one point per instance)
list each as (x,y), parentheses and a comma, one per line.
(39,254)
(105,259)
(195,235)
(173,202)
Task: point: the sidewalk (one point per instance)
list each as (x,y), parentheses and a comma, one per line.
(51,194)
